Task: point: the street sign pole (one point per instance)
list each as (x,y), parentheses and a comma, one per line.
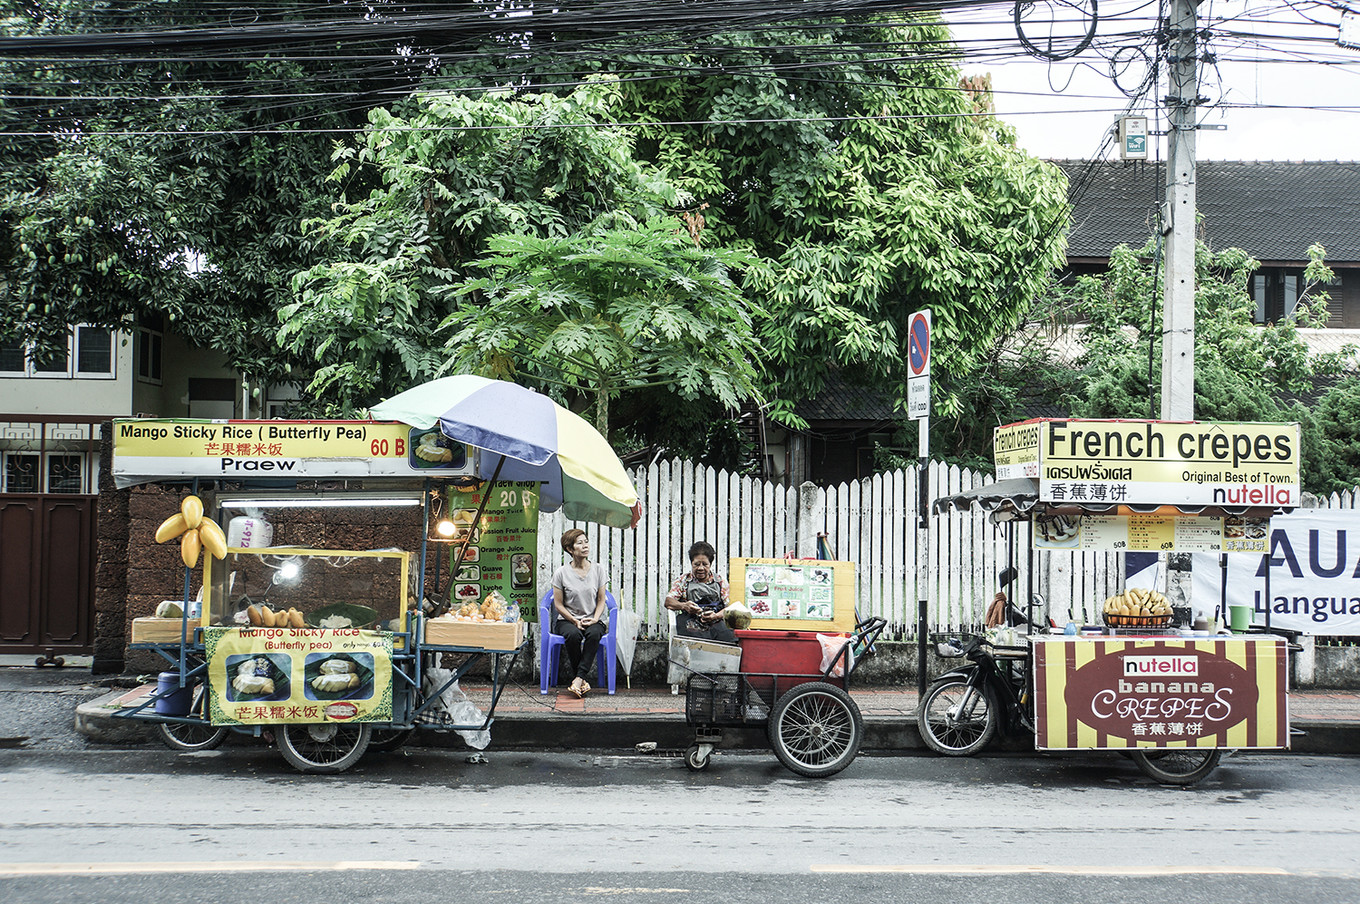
(918,403)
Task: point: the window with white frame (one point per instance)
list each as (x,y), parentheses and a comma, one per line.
(150,340)
(88,355)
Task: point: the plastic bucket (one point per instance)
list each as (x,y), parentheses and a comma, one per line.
(171,699)
(1239,618)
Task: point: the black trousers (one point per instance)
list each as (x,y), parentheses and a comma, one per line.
(581,645)
(689,626)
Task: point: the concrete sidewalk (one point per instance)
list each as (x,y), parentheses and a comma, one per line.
(526,720)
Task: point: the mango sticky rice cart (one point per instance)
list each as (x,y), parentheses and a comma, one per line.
(327,649)
(1171,697)
(786,676)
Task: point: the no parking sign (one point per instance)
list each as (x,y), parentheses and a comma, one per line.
(918,364)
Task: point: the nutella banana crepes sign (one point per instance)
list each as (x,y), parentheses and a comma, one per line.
(1103,693)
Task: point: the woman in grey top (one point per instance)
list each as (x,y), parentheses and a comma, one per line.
(578,607)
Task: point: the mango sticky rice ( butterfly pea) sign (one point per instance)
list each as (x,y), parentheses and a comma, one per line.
(265,676)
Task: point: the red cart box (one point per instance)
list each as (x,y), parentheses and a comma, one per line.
(765,651)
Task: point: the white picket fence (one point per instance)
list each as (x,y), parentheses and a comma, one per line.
(873,522)
(952,565)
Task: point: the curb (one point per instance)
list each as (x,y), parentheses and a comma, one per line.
(884,735)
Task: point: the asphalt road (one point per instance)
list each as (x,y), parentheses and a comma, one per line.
(425,825)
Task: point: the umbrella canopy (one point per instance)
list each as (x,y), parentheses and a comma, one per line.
(541,441)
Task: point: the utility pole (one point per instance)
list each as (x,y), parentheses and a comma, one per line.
(1178,292)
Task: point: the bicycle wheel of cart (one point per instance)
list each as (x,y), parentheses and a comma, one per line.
(955,719)
(192,736)
(323,748)
(815,729)
(1176,765)
(383,740)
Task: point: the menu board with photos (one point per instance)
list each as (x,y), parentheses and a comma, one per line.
(796,594)
(501,553)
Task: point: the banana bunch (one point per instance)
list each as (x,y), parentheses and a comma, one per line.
(263,617)
(1138,601)
(195,532)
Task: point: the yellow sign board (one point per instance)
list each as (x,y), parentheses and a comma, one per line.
(1107,462)
(269,676)
(156,449)
(796,594)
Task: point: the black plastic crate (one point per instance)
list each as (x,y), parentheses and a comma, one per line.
(724,700)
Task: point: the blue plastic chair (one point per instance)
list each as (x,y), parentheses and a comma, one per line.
(550,646)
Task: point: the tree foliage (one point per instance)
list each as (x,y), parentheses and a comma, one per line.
(871,188)
(130,190)
(518,238)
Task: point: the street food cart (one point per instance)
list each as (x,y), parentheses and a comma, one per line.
(335,651)
(1172,697)
(787,675)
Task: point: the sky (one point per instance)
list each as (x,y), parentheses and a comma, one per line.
(1274,74)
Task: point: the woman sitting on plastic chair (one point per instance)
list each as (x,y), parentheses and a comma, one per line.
(699,596)
(578,604)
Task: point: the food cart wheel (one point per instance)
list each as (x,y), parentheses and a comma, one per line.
(323,748)
(955,719)
(815,729)
(696,759)
(192,736)
(1177,765)
(386,739)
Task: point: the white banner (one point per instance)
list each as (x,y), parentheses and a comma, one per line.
(1314,574)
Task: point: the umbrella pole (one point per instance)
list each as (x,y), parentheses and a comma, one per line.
(476,526)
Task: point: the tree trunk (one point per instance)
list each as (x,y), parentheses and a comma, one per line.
(602,412)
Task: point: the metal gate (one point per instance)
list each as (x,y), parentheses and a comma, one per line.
(48,476)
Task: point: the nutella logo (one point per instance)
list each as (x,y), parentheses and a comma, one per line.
(1143,666)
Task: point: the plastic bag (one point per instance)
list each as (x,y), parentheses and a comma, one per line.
(832,644)
(453,707)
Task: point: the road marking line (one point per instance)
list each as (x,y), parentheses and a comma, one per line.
(233,866)
(1002,868)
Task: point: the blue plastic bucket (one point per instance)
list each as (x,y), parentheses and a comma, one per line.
(171,699)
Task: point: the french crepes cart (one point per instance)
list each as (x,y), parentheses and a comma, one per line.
(1172,696)
(352,572)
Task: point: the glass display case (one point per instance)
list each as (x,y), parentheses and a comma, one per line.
(315,588)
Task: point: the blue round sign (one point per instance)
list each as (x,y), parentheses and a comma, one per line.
(918,344)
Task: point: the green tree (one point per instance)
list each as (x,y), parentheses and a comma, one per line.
(175,189)
(609,309)
(517,237)
(869,184)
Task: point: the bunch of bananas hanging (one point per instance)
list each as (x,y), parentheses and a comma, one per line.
(195,532)
(1138,601)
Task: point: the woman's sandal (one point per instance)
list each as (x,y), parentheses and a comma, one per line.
(576,687)
(585,689)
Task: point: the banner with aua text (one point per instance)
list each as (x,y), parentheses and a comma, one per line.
(1314,574)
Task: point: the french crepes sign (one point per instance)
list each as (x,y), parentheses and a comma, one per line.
(1111,693)
(1107,462)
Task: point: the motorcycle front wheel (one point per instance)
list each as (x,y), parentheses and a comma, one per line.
(955,718)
